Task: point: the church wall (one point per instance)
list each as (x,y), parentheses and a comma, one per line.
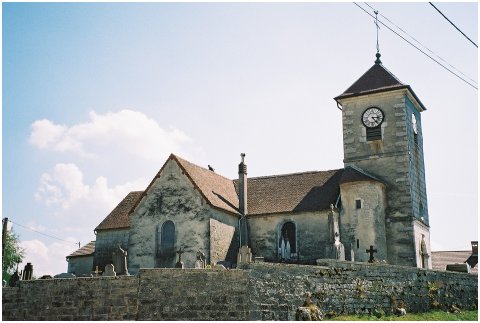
(364,226)
(80,266)
(311,228)
(387,159)
(224,242)
(106,242)
(174,198)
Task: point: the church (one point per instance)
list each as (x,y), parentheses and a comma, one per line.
(374,207)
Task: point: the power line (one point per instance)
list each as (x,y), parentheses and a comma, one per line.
(47,235)
(433,59)
(453,24)
(418,42)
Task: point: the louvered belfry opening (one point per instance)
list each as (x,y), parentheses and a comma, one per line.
(374,133)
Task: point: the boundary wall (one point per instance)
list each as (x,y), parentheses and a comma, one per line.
(257,291)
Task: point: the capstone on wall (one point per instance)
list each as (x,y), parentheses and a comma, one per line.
(365,226)
(311,234)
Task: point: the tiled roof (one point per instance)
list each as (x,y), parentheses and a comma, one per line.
(86,250)
(219,191)
(118,218)
(297,192)
(440,259)
(376,79)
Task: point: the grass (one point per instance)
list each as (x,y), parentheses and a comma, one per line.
(429,316)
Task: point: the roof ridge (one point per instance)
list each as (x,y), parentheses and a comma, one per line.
(203,168)
(293,174)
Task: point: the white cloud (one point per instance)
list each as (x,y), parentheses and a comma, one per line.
(131,131)
(46,259)
(64,186)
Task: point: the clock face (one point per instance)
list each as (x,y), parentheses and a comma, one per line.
(372,117)
(414,124)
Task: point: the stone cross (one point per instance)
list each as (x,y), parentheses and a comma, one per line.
(97,271)
(371,251)
(179,264)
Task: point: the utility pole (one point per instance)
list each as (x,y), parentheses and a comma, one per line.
(4,235)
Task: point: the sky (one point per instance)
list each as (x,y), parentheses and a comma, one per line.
(95,97)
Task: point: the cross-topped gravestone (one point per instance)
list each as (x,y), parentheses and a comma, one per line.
(371,251)
(179,264)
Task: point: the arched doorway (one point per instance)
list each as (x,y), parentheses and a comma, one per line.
(287,242)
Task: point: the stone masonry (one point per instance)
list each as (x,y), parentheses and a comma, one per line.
(259,291)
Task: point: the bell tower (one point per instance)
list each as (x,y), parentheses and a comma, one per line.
(382,135)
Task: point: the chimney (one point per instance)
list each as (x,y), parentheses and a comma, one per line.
(474,248)
(242,186)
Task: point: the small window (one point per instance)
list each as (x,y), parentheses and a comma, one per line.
(358,204)
(358,243)
(374,133)
(415,138)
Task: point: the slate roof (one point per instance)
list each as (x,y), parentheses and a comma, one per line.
(440,259)
(86,250)
(376,79)
(118,218)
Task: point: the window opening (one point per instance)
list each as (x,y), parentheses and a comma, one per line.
(374,133)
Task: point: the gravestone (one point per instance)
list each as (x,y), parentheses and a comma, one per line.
(200,262)
(244,255)
(179,263)
(109,271)
(462,268)
(371,251)
(27,271)
(65,275)
(119,258)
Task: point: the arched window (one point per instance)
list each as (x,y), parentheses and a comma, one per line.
(166,241)
(287,242)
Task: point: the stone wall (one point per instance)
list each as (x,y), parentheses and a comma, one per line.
(262,291)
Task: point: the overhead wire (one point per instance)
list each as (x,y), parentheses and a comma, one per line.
(47,235)
(453,24)
(418,42)
(433,59)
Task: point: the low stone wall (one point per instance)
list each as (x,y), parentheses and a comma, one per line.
(106,298)
(259,291)
(276,290)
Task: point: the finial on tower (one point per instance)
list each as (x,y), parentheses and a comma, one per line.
(243,156)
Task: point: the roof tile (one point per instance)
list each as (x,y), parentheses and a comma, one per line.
(86,250)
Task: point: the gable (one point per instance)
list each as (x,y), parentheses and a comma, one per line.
(218,191)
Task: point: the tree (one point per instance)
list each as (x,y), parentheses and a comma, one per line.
(12,254)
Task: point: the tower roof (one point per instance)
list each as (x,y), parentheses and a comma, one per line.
(376,79)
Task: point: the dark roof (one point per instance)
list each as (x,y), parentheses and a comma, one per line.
(298,192)
(308,191)
(118,218)
(440,259)
(354,174)
(86,250)
(376,79)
